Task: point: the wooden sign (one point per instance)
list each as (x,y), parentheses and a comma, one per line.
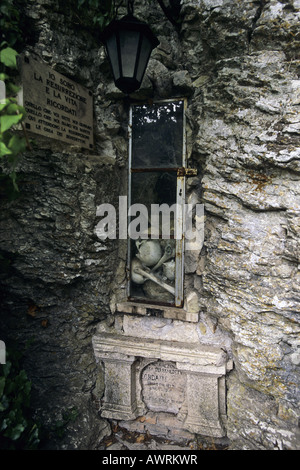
(56,107)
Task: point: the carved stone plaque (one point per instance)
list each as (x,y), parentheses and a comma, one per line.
(57,107)
(164,387)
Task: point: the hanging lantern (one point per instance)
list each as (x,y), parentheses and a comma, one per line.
(129,43)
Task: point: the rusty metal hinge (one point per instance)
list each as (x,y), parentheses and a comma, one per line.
(187,171)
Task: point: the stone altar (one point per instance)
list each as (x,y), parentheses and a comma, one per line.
(183,380)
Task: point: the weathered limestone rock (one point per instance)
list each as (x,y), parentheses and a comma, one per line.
(56,284)
(238,64)
(248,143)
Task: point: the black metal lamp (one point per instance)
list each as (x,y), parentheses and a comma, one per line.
(129,43)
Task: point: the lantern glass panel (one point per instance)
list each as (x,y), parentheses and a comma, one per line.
(112,51)
(129,41)
(146,49)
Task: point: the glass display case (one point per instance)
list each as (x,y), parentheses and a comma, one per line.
(156,199)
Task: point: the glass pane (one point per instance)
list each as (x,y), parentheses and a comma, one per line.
(157,135)
(113,55)
(146,49)
(153,188)
(151,229)
(129,41)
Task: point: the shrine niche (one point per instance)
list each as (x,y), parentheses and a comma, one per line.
(145,376)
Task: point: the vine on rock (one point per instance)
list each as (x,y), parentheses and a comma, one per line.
(12,144)
(101,11)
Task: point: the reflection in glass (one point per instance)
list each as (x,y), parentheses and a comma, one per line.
(157,136)
(128,43)
(145,52)
(113,56)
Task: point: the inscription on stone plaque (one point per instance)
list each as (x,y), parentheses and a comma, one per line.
(56,106)
(164,387)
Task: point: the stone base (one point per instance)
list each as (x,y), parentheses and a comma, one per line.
(180,383)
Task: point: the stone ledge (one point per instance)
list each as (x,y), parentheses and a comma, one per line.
(188,356)
(163,311)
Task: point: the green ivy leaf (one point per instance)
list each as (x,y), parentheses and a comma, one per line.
(12,88)
(8,57)
(13,108)
(3,76)
(17,144)
(3,43)
(15,432)
(4,150)
(7,121)
(3,104)
(13,177)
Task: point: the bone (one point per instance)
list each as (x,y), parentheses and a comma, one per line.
(137,278)
(168,254)
(153,278)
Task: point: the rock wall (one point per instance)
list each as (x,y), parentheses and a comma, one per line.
(237,64)
(246,138)
(57,286)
